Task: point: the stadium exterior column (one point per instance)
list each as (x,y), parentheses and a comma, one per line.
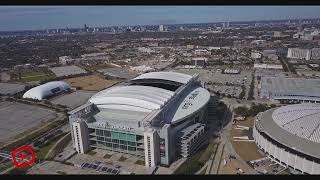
(295,161)
(312,169)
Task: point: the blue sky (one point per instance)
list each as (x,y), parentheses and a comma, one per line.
(42,17)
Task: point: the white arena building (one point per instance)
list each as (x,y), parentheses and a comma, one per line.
(290,135)
(157,116)
(46,90)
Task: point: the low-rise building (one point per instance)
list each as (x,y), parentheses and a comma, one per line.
(231,71)
(307,54)
(256,55)
(199,61)
(64,60)
(267,66)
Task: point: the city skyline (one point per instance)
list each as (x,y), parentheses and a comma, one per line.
(44,17)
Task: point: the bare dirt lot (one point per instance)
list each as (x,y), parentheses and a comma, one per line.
(90,83)
(246,150)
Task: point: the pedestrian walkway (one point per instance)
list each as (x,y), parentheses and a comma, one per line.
(217,161)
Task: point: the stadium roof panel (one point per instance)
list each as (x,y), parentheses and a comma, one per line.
(116,114)
(193,102)
(170,76)
(139,98)
(303,120)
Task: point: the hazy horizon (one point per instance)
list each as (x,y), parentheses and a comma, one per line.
(15,18)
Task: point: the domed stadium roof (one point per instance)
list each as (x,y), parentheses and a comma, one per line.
(302,120)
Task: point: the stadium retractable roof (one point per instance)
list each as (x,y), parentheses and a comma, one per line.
(170,76)
(135,98)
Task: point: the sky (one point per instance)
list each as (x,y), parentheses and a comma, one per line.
(46,17)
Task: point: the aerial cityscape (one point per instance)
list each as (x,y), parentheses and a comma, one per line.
(112,93)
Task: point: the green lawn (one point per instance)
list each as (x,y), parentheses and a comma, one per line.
(196,161)
(92,153)
(107,156)
(140,162)
(32,73)
(35,76)
(41,154)
(6,168)
(122,158)
(203,171)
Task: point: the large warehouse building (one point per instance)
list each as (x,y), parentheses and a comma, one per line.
(46,90)
(307,54)
(158,116)
(290,135)
(290,90)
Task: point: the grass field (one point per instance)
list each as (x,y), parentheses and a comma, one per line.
(196,161)
(107,156)
(35,76)
(140,162)
(41,154)
(92,153)
(90,83)
(122,158)
(44,151)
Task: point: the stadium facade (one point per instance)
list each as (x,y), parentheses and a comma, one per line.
(158,116)
(290,90)
(290,135)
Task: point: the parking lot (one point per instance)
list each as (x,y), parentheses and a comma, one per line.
(266,166)
(233,91)
(74,99)
(67,70)
(16,118)
(53,167)
(216,76)
(10,88)
(127,166)
(101,167)
(228,84)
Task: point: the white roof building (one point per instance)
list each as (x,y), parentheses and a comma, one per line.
(267,66)
(142,68)
(46,90)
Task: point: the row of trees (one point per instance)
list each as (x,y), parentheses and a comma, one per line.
(287,67)
(251,90)
(253,111)
(243,92)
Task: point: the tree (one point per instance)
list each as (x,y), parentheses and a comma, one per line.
(243,93)
(242,111)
